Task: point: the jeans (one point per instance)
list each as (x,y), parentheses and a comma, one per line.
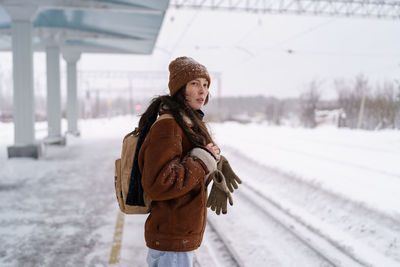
(157,258)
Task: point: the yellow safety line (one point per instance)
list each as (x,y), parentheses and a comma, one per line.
(116,245)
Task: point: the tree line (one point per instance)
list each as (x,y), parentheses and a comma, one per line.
(358,105)
(362,105)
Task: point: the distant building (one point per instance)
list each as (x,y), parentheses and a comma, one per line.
(330,117)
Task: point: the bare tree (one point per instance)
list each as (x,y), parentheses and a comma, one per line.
(369,108)
(350,99)
(361,89)
(397,101)
(274,112)
(308,103)
(381,108)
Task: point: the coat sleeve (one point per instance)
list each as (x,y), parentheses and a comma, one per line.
(166,172)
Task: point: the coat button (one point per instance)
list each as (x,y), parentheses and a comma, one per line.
(157,243)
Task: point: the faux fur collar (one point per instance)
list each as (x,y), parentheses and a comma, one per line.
(164,108)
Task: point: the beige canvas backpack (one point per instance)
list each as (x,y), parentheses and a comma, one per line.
(123,170)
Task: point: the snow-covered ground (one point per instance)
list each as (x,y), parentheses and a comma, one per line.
(358,164)
(61,210)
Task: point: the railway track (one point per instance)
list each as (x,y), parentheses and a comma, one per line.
(289,179)
(220,251)
(328,240)
(332,253)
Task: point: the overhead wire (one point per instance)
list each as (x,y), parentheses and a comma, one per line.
(183,33)
(279,44)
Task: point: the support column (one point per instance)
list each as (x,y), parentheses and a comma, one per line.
(23,110)
(72,57)
(53,95)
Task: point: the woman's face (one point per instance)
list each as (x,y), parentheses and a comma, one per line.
(196,93)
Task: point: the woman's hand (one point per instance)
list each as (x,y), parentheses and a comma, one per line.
(214,149)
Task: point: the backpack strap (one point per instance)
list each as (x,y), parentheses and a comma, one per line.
(134,132)
(162,117)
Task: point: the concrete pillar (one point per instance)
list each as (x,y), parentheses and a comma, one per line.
(21,34)
(72,57)
(53,95)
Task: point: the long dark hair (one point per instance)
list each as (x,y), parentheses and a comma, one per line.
(197,134)
(177,105)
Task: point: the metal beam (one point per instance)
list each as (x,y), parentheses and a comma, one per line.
(146,7)
(383,9)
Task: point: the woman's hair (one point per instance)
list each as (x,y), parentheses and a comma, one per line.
(176,104)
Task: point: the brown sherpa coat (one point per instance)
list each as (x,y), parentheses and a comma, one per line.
(173,176)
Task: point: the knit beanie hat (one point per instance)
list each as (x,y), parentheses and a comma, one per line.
(184,69)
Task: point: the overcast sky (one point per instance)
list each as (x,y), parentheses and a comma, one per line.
(267,54)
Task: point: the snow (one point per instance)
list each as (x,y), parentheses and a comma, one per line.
(61,210)
(347,162)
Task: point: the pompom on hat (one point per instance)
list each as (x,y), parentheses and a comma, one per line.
(183,70)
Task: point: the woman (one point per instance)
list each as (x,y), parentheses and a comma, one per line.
(175,159)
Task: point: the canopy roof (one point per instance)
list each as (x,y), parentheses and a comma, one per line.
(106,26)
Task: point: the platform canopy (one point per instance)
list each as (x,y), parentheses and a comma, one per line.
(103,26)
(70,28)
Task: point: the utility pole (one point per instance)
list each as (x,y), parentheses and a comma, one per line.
(361,112)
